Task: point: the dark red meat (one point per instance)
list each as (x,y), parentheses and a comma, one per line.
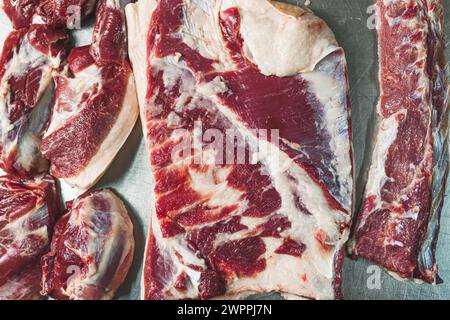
(28,58)
(97,91)
(24,285)
(91,251)
(28,210)
(398,222)
(227,220)
(23,13)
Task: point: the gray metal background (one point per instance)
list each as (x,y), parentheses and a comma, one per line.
(129,175)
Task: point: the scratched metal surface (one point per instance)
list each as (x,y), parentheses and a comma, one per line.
(129,174)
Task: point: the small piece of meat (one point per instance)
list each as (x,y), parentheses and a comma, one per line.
(20,12)
(23,13)
(95,104)
(27,61)
(28,210)
(91,250)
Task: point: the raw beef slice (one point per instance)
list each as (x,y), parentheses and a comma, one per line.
(276,217)
(28,210)
(398,223)
(23,13)
(27,61)
(91,251)
(95,105)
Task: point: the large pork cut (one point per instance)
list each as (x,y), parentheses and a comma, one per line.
(91,251)
(244,107)
(28,211)
(27,61)
(398,223)
(23,13)
(95,105)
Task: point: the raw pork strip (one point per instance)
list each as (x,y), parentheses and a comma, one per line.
(24,285)
(398,223)
(27,61)
(23,13)
(276,218)
(95,105)
(28,211)
(92,249)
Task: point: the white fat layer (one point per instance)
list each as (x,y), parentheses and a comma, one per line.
(412,214)
(26,57)
(18,231)
(201,32)
(387,134)
(317,263)
(112,144)
(331,93)
(287,272)
(69,103)
(393,21)
(138,16)
(274,39)
(171,72)
(28,154)
(393,243)
(100,250)
(219,192)
(138,22)
(5,27)
(68,192)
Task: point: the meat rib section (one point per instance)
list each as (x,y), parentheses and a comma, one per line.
(28,210)
(95,105)
(23,13)
(244,108)
(399,220)
(91,251)
(28,59)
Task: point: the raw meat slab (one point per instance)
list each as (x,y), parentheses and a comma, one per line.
(91,250)
(398,224)
(95,105)
(28,211)
(277,218)
(28,59)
